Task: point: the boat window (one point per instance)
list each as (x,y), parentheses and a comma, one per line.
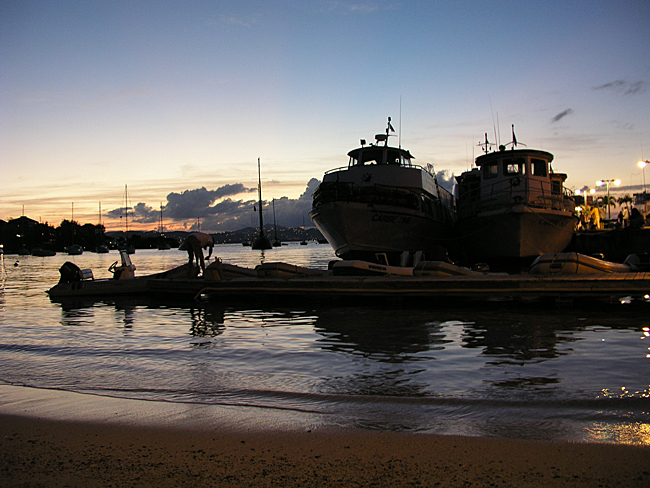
(371,155)
(556,187)
(539,166)
(490,171)
(393,157)
(514,166)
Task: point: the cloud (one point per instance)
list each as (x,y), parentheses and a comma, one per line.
(218,212)
(561,115)
(230,215)
(623,86)
(229,20)
(446,180)
(366,7)
(145,214)
(140,213)
(191,204)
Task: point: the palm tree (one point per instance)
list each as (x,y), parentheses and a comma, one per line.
(607,202)
(625,200)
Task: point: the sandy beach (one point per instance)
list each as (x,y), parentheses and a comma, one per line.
(117,444)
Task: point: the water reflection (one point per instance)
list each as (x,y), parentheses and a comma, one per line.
(518,372)
(3,280)
(207,322)
(203,320)
(391,336)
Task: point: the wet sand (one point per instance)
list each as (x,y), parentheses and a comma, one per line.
(53,449)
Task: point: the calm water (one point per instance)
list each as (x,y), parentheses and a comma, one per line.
(495,370)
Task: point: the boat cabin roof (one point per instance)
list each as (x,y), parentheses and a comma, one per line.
(513,153)
(375,154)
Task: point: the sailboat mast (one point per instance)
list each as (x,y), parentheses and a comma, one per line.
(259,191)
(126,220)
(275,225)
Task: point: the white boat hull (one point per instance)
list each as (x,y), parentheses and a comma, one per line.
(355,228)
(111,287)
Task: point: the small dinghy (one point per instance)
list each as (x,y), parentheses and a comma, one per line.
(574,263)
(364,268)
(76,282)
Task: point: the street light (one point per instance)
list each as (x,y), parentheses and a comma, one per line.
(607,182)
(642,165)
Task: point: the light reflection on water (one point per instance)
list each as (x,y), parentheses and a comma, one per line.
(491,370)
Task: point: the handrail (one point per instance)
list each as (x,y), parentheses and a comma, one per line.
(412,166)
(440,206)
(505,193)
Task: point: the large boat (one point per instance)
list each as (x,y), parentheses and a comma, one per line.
(382,203)
(513,205)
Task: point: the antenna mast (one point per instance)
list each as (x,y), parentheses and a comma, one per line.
(400,122)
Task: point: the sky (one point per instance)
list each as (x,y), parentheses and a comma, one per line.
(178,100)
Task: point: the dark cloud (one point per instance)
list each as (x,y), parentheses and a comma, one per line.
(198,203)
(623,86)
(561,115)
(218,213)
(289,212)
(607,86)
(144,214)
(141,213)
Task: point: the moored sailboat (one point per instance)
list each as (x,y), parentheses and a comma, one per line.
(261,242)
(276,242)
(163,245)
(128,248)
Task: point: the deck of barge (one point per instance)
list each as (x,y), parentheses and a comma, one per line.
(498,287)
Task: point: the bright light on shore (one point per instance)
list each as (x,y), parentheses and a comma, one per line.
(604,182)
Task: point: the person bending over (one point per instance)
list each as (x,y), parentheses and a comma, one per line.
(195,244)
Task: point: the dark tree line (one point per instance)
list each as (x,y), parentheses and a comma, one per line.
(24,233)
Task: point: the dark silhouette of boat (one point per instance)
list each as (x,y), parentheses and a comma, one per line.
(513,205)
(261,242)
(382,203)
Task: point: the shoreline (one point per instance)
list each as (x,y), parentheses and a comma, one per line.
(53,438)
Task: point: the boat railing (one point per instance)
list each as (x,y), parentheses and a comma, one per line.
(508,193)
(403,165)
(439,207)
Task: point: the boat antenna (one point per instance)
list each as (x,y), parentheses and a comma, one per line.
(514,141)
(486,145)
(388,129)
(493,123)
(399,135)
(498,134)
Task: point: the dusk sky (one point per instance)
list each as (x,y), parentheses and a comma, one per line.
(177,100)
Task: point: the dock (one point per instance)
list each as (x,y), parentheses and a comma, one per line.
(498,287)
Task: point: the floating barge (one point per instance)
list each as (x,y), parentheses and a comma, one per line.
(352,281)
(612,286)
